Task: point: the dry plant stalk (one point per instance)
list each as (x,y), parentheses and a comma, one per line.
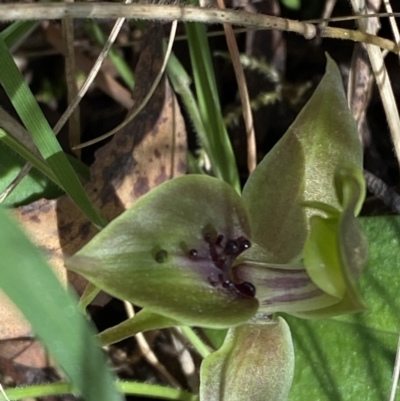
(147,98)
(382,80)
(243,93)
(159,12)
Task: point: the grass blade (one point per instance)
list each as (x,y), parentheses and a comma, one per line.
(220,149)
(32,286)
(43,136)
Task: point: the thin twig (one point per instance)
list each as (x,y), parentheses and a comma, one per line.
(392,21)
(147,97)
(73,104)
(104,80)
(382,191)
(96,67)
(3,393)
(185,358)
(327,12)
(351,18)
(382,80)
(74,126)
(243,93)
(160,12)
(14,183)
(147,352)
(396,373)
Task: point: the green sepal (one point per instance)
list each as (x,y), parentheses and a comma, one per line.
(167,253)
(300,169)
(256,362)
(141,322)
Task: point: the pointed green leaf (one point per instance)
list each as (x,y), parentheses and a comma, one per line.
(300,168)
(256,363)
(52,311)
(172,253)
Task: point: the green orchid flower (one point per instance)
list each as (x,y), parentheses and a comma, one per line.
(194,252)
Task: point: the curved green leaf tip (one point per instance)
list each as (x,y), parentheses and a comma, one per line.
(172,253)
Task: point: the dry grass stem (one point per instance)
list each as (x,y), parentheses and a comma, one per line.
(21,175)
(74,130)
(392,21)
(36,11)
(103,80)
(92,75)
(396,373)
(243,93)
(159,12)
(147,352)
(145,100)
(382,80)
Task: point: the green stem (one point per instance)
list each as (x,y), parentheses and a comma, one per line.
(131,388)
(152,390)
(89,294)
(197,343)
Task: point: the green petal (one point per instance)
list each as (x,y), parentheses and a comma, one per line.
(335,252)
(256,363)
(300,168)
(172,253)
(322,258)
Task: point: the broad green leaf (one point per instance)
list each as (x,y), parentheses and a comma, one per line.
(336,361)
(52,311)
(300,168)
(351,357)
(380,283)
(172,253)
(255,363)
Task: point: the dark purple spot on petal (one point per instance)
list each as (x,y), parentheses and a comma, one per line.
(219,240)
(244,244)
(193,252)
(161,256)
(231,247)
(246,289)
